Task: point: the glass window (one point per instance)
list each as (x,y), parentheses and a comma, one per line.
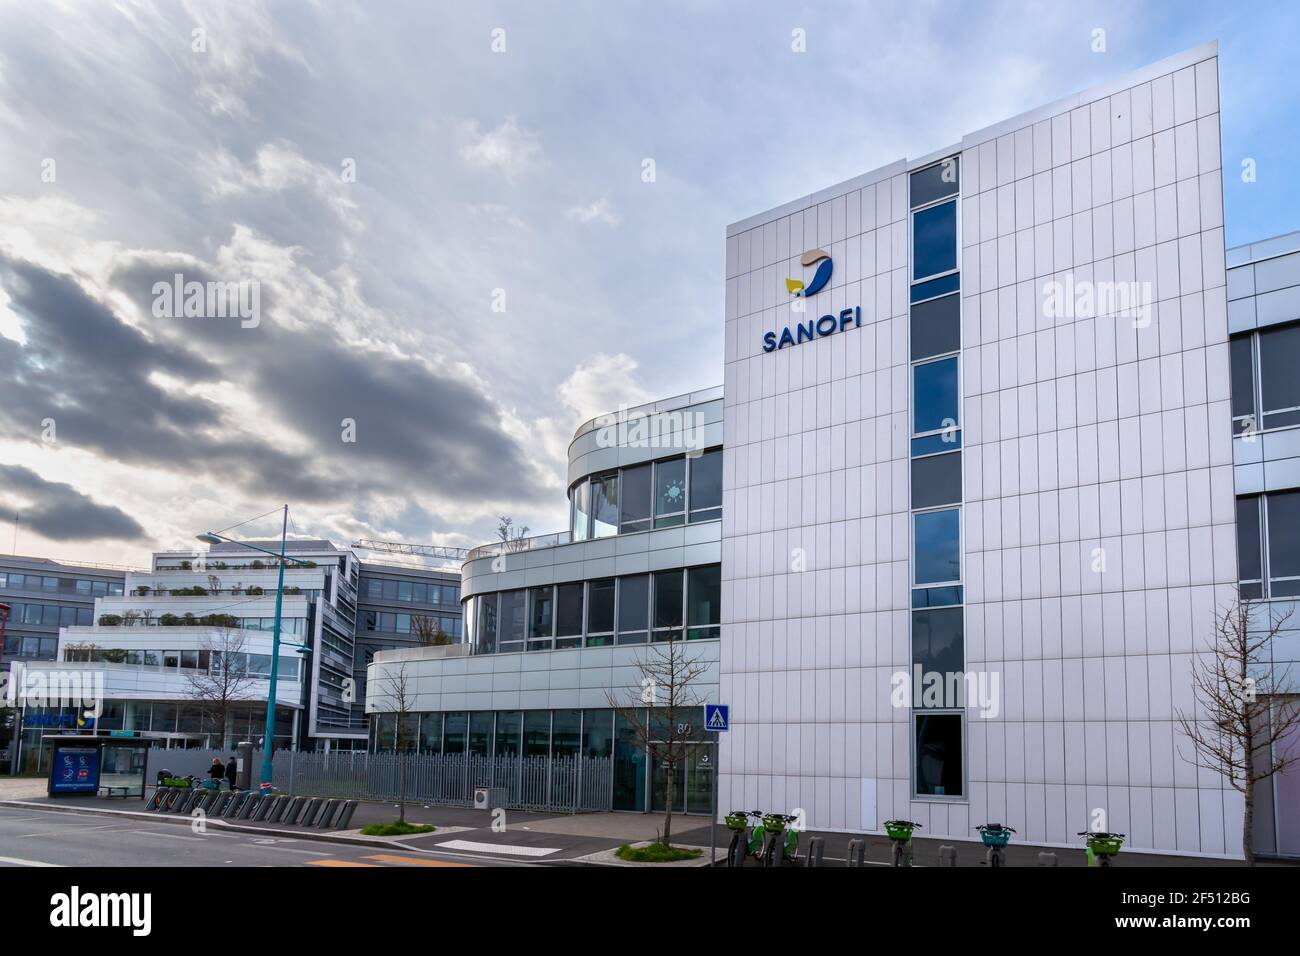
(600,612)
(431,733)
(1279,357)
(936,287)
(83,586)
(453,732)
(541,620)
(419,593)
(1249,557)
(604,506)
(668,605)
(512,621)
(597,733)
(1242,368)
(633,602)
(934,388)
(670,492)
(99,587)
(935,182)
(634,499)
(936,327)
(938,755)
(704,601)
(487,624)
(706,485)
(934,240)
(402,623)
(936,597)
(581,497)
(937,641)
(433,594)
(50,615)
(938,546)
(568,615)
(629,765)
(509,723)
(537,733)
(85,617)
(390,590)
(480,732)
(52,584)
(171,659)
(1284,543)
(936,480)
(375,588)
(566,733)
(190,659)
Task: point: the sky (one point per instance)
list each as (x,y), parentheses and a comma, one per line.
(471,226)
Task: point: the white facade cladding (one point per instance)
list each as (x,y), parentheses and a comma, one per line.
(1082,546)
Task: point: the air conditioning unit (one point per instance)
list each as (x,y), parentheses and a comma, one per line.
(489,798)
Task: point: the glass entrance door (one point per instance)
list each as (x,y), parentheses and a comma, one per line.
(692,781)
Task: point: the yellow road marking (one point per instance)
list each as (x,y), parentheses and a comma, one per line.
(336,863)
(414,860)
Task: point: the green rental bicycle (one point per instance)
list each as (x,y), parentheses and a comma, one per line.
(900,831)
(1102,847)
(745,841)
(781,841)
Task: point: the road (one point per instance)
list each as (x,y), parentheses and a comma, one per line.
(58,838)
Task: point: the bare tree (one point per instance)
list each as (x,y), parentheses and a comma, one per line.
(513,538)
(1244,709)
(398,697)
(669,672)
(225,683)
(429,631)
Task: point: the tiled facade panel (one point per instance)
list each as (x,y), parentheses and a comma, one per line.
(815,532)
(1098,523)
(1083,437)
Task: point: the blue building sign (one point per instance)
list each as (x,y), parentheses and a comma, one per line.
(74,770)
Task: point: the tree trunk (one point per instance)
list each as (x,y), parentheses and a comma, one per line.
(1248,821)
(668,804)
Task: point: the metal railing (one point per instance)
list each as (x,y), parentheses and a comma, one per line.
(569,784)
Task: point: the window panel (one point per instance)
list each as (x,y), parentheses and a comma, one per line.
(635,498)
(600,612)
(668,605)
(670,492)
(487,624)
(604,506)
(936,327)
(934,240)
(936,287)
(706,485)
(938,755)
(568,615)
(1249,557)
(431,733)
(936,480)
(480,732)
(541,604)
(935,398)
(509,724)
(537,733)
(512,621)
(597,733)
(937,640)
(633,604)
(1283,542)
(566,733)
(935,182)
(1279,357)
(1243,375)
(453,732)
(938,546)
(581,511)
(704,601)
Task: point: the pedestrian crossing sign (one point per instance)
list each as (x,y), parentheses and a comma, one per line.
(717,717)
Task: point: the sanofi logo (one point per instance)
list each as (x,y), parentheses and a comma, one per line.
(813,328)
(820,277)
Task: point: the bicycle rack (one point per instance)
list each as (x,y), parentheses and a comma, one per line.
(857,853)
(263,806)
(210,801)
(345,814)
(310,811)
(327,813)
(294,809)
(248,806)
(276,808)
(155,800)
(234,806)
(816,849)
(1047,859)
(947,855)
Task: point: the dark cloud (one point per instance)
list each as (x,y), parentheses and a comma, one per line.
(60,512)
(418,432)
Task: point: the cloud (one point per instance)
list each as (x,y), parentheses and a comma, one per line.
(597,211)
(508,148)
(60,512)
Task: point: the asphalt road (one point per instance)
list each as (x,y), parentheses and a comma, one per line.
(57,838)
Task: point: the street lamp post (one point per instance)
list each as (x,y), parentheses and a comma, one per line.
(268,735)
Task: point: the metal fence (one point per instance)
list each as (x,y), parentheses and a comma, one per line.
(529,783)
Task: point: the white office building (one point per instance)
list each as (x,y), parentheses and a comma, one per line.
(978,426)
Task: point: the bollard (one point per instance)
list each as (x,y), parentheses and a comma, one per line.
(816,851)
(1047,859)
(345,815)
(947,855)
(857,853)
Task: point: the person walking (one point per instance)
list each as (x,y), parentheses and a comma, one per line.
(216,772)
(232,771)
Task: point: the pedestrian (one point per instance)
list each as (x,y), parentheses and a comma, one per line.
(216,772)
(232,771)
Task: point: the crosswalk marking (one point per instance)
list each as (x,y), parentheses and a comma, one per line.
(412,860)
(499,848)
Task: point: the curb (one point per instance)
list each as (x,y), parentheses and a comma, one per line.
(218,823)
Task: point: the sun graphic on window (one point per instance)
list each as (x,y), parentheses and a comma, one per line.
(675,492)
